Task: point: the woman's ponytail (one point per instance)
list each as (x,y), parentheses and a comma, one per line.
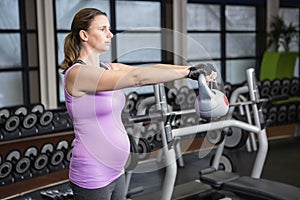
(71,50)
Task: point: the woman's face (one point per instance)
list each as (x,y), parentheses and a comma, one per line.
(99,35)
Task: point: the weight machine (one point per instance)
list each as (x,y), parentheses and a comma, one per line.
(249,187)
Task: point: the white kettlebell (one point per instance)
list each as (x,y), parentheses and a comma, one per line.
(210,103)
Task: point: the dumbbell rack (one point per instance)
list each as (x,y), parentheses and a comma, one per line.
(32,184)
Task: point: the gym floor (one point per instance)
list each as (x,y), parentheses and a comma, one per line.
(282,164)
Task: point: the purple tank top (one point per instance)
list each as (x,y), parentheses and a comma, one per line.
(101,145)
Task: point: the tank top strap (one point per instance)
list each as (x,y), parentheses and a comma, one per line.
(105,65)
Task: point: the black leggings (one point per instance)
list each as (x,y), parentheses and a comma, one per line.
(114,191)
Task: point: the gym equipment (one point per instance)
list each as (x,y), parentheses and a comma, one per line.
(225,163)
(20,166)
(57,156)
(294,87)
(9,125)
(133,158)
(194,188)
(250,187)
(45,117)
(131,101)
(61,121)
(210,103)
(275,87)
(5,172)
(38,162)
(265,88)
(57,194)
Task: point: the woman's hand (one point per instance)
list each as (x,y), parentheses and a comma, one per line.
(208,70)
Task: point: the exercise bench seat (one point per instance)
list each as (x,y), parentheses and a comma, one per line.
(253,188)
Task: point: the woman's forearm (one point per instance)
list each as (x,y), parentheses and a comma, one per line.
(157,74)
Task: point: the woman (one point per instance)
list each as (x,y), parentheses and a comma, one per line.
(95,102)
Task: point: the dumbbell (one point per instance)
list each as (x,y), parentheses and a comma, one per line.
(21,165)
(282,114)
(144,149)
(285,86)
(292,113)
(55,156)
(9,125)
(190,99)
(5,172)
(130,104)
(68,154)
(61,121)
(38,162)
(177,121)
(66,150)
(28,121)
(133,157)
(265,87)
(272,114)
(57,194)
(45,118)
(215,136)
(294,87)
(149,133)
(171,97)
(181,98)
(191,119)
(275,87)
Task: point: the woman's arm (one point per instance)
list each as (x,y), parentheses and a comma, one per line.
(84,78)
(120,66)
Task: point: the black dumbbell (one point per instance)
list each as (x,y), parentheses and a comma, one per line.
(61,121)
(292,113)
(21,165)
(130,104)
(150,131)
(5,172)
(28,121)
(63,146)
(68,154)
(295,87)
(265,88)
(285,86)
(275,88)
(144,149)
(181,98)
(9,125)
(272,114)
(55,156)
(38,162)
(282,114)
(190,99)
(171,94)
(45,118)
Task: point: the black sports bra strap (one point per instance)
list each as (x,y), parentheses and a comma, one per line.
(80,62)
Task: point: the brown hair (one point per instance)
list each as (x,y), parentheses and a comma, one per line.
(81,21)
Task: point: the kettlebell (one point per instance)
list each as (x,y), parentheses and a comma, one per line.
(210,103)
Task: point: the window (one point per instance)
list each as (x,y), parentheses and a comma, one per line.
(223,34)
(291,15)
(19,56)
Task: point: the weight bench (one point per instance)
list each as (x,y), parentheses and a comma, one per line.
(250,188)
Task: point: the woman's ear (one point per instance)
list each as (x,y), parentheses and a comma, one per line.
(83,35)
